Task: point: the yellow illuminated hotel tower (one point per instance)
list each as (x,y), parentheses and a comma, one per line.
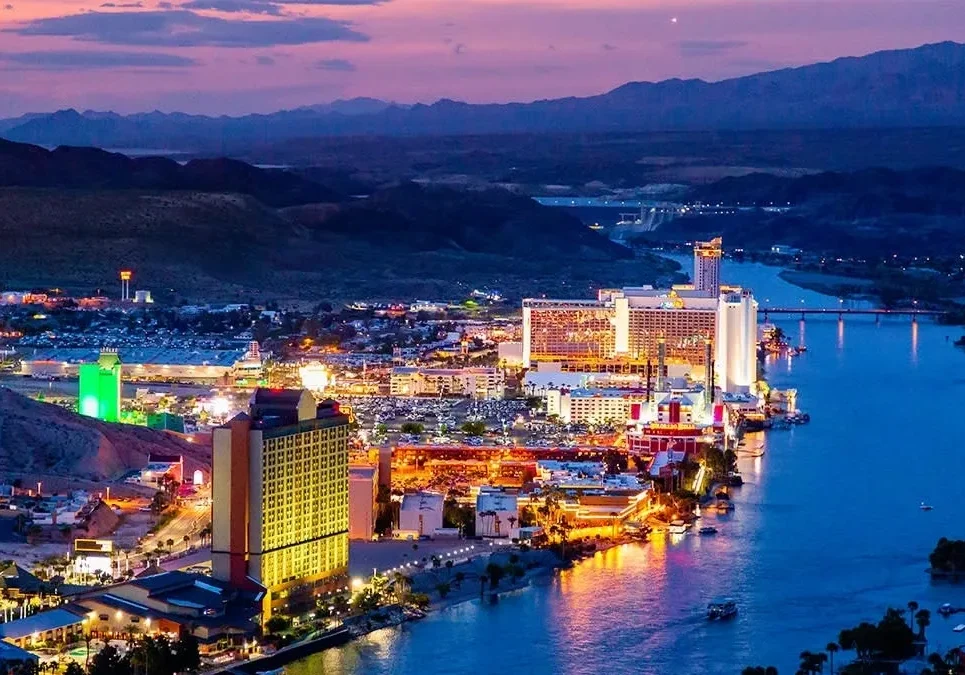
(707,255)
(280,498)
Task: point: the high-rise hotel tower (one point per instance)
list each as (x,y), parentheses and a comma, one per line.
(707,255)
(280,498)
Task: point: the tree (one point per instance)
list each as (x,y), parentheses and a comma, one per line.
(812,662)
(170,543)
(476,428)
(74,668)
(495,573)
(412,428)
(277,624)
(106,662)
(912,608)
(923,620)
(831,648)
(759,670)
(443,589)
(186,539)
(187,655)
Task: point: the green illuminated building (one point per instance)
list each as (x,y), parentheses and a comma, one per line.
(100,387)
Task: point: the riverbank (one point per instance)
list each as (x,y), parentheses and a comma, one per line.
(829,284)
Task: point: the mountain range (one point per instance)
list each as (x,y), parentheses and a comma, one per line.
(924,86)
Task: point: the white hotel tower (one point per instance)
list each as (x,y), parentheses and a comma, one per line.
(736,362)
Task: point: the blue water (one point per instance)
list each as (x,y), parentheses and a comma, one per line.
(827,531)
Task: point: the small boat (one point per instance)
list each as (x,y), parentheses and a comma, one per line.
(926,507)
(947,609)
(959,628)
(678,527)
(707,530)
(724,506)
(721,610)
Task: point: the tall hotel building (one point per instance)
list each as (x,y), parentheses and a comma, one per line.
(622,330)
(280,496)
(707,255)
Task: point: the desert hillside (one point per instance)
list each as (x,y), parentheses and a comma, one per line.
(41,438)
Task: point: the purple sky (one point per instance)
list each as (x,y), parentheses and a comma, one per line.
(239,56)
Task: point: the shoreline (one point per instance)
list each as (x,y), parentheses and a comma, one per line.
(547,563)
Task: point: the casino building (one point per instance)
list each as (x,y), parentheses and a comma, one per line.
(629,330)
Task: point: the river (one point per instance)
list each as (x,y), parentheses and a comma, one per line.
(827,531)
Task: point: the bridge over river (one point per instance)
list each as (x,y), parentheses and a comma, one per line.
(843,311)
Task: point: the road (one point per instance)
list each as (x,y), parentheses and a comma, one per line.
(193,515)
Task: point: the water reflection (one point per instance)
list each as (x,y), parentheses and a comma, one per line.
(914,341)
(841,334)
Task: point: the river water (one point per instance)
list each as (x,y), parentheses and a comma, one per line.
(827,531)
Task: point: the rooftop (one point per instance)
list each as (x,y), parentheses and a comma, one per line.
(423,501)
(495,501)
(40,623)
(155,356)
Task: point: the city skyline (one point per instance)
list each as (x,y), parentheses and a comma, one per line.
(240,56)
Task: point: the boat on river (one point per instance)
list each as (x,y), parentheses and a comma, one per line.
(721,610)
(678,527)
(707,530)
(926,507)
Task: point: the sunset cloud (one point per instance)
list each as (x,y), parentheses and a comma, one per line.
(87,60)
(181,28)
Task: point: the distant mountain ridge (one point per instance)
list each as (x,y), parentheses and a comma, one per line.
(924,86)
(93,169)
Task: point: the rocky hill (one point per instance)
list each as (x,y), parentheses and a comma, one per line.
(226,230)
(41,438)
(23,165)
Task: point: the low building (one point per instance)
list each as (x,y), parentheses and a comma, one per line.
(484,383)
(421,514)
(595,406)
(172,602)
(551,472)
(93,556)
(12,656)
(159,466)
(497,514)
(53,624)
(16,583)
(363,489)
(147,363)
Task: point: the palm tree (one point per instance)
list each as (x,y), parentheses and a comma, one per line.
(912,608)
(831,649)
(512,523)
(923,619)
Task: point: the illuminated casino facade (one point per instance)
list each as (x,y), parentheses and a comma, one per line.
(624,330)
